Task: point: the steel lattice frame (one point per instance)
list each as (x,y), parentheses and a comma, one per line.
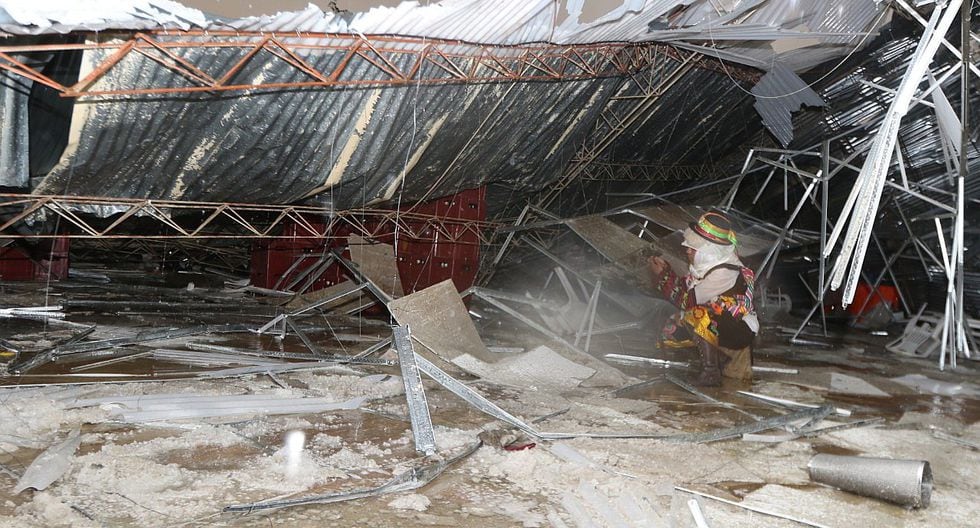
(211,220)
(622,112)
(635,172)
(429,61)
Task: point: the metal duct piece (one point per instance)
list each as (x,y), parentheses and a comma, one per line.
(904,482)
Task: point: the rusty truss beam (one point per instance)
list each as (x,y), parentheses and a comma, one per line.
(123,218)
(322,60)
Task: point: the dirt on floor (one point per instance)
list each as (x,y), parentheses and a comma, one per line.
(187,471)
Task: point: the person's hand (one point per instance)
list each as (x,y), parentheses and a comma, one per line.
(658,265)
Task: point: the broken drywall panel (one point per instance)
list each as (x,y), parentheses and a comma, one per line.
(628,266)
(852,385)
(670,216)
(679,217)
(377,263)
(610,240)
(439,320)
(933,386)
(50,465)
(625,250)
(541,367)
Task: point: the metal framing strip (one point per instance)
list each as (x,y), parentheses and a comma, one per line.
(360,278)
(691,389)
(219,220)
(474,398)
(423,60)
(418,406)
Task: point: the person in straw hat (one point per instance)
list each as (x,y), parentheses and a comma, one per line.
(715,299)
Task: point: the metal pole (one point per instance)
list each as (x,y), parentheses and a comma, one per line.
(891,273)
(593,308)
(730,199)
(503,248)
(789,223)
(824,188)
(874,286)
(908,229)
(965,19)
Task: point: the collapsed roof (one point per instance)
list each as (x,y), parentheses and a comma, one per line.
(389,122)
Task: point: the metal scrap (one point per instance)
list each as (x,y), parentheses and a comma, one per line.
(755,509)
(94,349)
(690,388)
(412,479)
(753,427)
(182,406)
(50,465)
(486,406)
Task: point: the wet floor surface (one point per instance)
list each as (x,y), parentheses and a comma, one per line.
(168,474)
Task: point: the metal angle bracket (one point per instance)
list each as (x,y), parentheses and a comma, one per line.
(418,407)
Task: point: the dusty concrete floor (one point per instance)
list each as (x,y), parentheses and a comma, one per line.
(180,474)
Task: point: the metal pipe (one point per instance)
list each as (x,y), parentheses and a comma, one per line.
(965,19)
(904,482)
(789,223)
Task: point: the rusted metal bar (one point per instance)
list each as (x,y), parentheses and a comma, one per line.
(487,63)
(18,67)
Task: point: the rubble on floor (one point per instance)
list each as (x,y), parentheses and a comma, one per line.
(288,410)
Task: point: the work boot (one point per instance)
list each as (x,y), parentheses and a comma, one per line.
(736,363)
(710,372)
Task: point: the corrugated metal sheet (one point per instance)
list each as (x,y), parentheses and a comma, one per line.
(362,146)
(836,27)
(831,25)
(480,21)
(701,119)
(778,94)
(18,17)
(357,143)
(854,110)
(858,107)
